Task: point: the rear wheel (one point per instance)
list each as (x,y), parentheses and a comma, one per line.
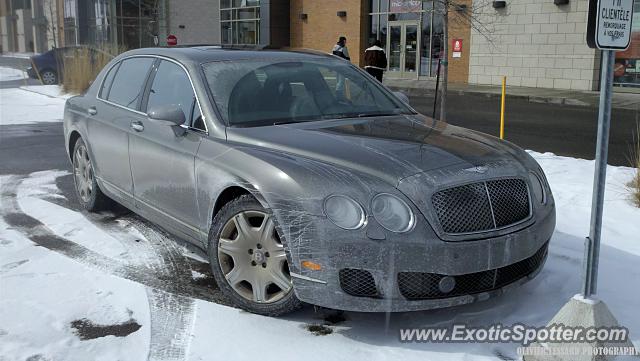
(89,194)
(248,259)
(49,77)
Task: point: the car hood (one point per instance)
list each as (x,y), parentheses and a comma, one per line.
(390,148)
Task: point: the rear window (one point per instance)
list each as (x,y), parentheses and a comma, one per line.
(108,80)
(127,87)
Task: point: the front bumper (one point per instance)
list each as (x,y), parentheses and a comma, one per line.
(406,270)
(32,73)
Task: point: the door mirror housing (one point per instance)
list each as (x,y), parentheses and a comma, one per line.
(402,96)
(170,115)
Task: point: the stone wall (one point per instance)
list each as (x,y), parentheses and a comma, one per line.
(535,43)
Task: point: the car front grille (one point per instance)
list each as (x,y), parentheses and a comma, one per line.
(483,206)
(423,286)
(357,282)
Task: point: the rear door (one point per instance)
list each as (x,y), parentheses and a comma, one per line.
(116,109)
(162,159)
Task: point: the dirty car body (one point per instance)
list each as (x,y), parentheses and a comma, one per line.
(377,211)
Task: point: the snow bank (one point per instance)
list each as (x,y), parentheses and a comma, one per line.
(53,91)
(10,74)
(20,106)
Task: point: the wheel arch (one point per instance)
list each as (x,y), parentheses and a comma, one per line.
(232,192)
(73,138)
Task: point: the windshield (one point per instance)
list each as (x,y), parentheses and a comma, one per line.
(262,92)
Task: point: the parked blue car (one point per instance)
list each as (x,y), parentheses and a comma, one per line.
(50,65)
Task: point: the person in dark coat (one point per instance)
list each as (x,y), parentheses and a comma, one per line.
(375,60)
(340,49)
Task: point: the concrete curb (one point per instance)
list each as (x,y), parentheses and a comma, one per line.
(491,95)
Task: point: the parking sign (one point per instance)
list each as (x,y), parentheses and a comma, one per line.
(609,24)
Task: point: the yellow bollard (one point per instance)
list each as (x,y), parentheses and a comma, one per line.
(504,95)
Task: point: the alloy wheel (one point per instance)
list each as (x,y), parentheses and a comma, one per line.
(83,173)
(48,78)
(253,259)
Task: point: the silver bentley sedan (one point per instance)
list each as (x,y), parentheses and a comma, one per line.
(307,181)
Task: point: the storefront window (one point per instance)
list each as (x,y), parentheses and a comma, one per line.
(425,46)
(240,21)
(411,34)
(436,41)
(70,22)
(127,23)
(627,67)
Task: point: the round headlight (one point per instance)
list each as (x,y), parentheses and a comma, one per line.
(538,189)
(344,212)
(392,213)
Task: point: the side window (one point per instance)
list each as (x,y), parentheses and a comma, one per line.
(171,85)
(108,80)
(128,83)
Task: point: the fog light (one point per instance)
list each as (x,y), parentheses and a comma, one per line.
(447,284)
(311,265)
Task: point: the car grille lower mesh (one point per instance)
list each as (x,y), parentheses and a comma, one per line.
(423,286)
(357,282)
(483,206)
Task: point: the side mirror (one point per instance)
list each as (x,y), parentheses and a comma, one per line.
(170,115)
(402,96)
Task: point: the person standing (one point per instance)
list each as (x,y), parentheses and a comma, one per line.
(375,60)
(340,49)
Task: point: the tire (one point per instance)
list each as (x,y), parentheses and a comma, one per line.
(49,77)
(88,192)
(242,259)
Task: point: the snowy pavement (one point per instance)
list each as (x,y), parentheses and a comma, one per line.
(111,286)
(11,74)
(31,104)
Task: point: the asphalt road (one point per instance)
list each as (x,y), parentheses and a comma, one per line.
(560,129)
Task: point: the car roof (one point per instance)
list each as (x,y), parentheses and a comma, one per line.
(211,53)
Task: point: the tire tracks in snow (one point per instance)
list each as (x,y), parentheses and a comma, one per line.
(169,283)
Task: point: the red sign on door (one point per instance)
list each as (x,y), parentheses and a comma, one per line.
(457,48)
(172,40)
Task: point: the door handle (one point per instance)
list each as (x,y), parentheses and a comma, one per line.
(137,126)
(92,111)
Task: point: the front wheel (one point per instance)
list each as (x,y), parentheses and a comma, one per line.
(248,259)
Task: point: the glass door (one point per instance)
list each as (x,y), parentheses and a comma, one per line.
(403,43)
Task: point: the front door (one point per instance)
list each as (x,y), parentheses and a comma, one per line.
(403,43)
(163,157)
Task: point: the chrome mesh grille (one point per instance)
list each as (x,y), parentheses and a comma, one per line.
(509,199)
(357,282)
(483,206)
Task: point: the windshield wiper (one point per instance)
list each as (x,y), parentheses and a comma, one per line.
(288,122)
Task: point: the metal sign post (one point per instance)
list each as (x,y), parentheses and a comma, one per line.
(592,243)
(608,29)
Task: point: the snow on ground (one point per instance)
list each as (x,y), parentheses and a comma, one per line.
(54,91)
(27,106)
(9,74)
(43,292)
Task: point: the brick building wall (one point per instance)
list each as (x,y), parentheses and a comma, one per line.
(200,18)
(459,29)
(535,44)
(321,29)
